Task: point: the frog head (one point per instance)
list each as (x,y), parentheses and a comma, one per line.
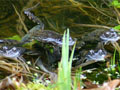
(110,36)
(11,52)
(98,55)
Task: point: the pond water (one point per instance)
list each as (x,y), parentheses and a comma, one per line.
(56,15)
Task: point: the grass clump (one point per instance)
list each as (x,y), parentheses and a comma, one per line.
(64,70)
(33,86)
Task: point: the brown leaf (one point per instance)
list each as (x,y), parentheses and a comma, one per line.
(108,86)
(90,85)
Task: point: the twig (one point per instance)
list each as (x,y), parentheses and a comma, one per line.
(116,45)
(90,25)
(25,28)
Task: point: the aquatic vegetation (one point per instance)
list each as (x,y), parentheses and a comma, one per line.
(64,79)
(15,37)
(115,3)
(78,79)
(34,86)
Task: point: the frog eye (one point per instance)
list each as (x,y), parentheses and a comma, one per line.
(1,41)
(60,40)
(112,30)
(14,48)
(5,47)
(100,52)
(107,32)
(91,52)
(26,12)
(70,39)
(1,52)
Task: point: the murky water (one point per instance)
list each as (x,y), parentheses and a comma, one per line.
(57,15)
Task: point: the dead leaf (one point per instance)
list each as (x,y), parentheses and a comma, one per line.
(108,86)
(90,85)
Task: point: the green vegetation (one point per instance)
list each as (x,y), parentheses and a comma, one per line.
(64,70)
(116,3)
(15,37)
(82,17)
(33,86)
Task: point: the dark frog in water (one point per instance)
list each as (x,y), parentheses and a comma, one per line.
(52,39)
(99,41)
(12,52)
(38,33)
(45,36)
(16,54)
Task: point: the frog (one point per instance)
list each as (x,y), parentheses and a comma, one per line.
(97,55)
(14,53)
(38,33)
(84,43)
(110,36)
(46,36)
(51,38)
(46,39)
(93,56)
(55,39)
(104,43)
(111,39)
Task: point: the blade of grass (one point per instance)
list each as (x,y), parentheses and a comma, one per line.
(64,73)
(77,81)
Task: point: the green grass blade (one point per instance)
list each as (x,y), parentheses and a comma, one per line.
(64,70)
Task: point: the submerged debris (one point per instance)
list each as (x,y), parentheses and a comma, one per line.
(11,82)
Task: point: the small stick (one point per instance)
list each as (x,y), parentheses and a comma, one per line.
(93,26)
(116,45)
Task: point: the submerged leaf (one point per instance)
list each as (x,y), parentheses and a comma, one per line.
(15,37)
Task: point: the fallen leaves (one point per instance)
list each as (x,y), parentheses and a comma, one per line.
(111,85)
